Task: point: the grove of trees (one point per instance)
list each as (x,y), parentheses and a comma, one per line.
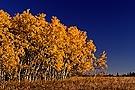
(32,48)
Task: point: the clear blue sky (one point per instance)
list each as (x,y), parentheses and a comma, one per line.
(110,23)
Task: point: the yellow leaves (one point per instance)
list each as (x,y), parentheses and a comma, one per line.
(12,63)
(101,62)
(103,55)
(54,48)
(69,67)
(41,18)
(4,19)
(38,41)
(55,21)
(88,66)
(59,65)
(73,31)
(23,21)
(27,11)
(21,51)
(91,46)
(92,56)
(1,51)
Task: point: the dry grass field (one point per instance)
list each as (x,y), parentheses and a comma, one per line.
(74,83)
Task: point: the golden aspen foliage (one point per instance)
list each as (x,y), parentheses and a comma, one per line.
(9,53)
(31,47)
(101,62)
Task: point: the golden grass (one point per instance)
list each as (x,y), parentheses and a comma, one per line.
(74,83)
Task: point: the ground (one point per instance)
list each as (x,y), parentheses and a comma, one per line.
(73,83)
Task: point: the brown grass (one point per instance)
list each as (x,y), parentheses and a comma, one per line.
(74,83)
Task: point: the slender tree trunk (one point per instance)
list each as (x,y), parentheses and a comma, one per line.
(34,75)
(19,75)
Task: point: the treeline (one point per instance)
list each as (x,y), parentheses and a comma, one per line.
(130,74)
(32,48)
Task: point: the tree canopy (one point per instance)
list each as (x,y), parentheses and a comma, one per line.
(32,48)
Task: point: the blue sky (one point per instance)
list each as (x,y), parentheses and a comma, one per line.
(110,23)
